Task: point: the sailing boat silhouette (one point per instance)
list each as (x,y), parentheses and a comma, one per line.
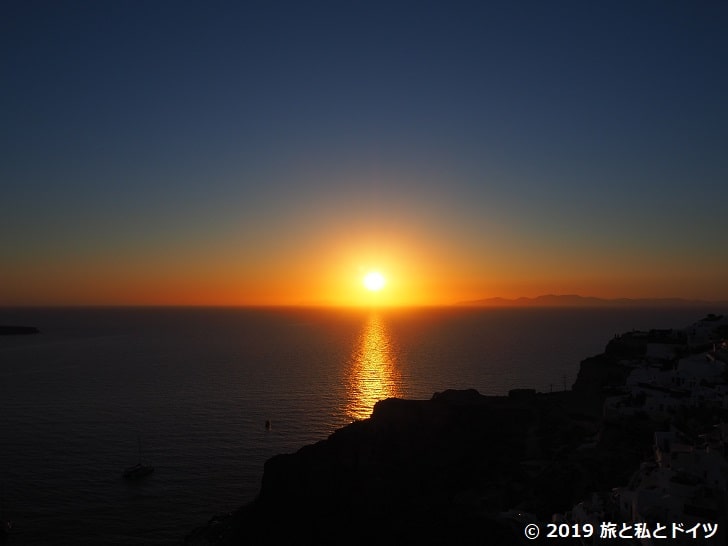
(139,470)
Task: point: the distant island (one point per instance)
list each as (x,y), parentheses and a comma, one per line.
(18,330)
(574,300)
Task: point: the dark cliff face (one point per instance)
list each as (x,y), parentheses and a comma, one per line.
(415,472)
(408,450)
(423,472)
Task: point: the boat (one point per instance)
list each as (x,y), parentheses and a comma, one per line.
(139,470)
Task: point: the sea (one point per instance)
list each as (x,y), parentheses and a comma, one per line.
(189,391)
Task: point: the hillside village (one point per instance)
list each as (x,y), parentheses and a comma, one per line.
(678,381)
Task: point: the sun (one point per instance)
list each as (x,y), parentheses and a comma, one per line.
(374,281)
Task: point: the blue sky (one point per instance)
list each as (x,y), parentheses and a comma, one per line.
(506,136)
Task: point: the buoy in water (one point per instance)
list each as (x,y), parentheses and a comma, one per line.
(267,424)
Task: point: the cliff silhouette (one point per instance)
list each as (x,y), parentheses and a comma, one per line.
(438,471)
(461,468)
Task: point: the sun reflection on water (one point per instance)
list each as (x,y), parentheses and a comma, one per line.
(373,374)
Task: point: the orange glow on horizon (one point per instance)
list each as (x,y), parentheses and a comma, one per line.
(328,270)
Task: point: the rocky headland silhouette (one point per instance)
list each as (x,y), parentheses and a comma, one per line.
(460,468)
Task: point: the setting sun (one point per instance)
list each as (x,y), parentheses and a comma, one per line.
(374,281)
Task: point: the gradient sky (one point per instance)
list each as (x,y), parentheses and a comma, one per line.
(248,153)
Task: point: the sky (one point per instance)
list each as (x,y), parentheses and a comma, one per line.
(271,153)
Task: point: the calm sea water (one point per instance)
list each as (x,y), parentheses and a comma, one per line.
(197,385)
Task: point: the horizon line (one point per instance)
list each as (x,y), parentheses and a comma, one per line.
(494,301)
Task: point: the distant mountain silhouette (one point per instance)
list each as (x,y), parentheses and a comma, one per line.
(18,330)
(573,300)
